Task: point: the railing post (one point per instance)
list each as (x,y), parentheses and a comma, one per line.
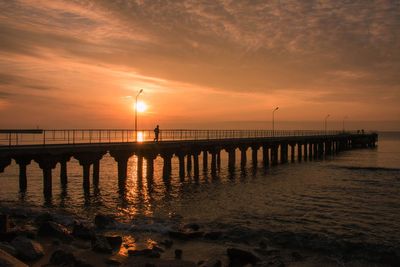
(44,137)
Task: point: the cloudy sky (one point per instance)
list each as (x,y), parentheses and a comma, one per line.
(80,63)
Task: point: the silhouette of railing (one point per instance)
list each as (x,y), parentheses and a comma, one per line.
(12,138)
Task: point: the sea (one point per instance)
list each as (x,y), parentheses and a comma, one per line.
(349,198)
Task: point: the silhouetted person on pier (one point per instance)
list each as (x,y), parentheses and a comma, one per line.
(156,133)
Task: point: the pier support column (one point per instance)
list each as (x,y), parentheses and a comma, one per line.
(47,163)
(265,151)
(122,157)
(85,160)
(299,152)
(22,162)
(181,158)
(284,153)
(196,163)
(231,158)
(167,167)
(321,150)
(4,162)
(254,151)
(274,154)
(213,161)
(305,151)
(310,151)
(243,156)
(140,166)
(315,145)
(96,173)
(63,170)
(189,163)
(205,160)
(149,164)
(219,158)
(292,152)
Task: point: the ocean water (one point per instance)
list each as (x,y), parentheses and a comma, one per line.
(353,196)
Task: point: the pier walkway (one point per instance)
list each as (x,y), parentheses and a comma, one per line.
(51,147)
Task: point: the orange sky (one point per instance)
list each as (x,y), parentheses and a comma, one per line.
(201,63)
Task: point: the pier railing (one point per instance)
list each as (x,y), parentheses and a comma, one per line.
(13,138)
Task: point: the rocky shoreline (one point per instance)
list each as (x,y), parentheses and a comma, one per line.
(35,237)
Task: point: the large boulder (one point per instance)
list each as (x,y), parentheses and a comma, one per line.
(104,221)
(8,248)
(83,231)
(115,241)
(8,260)
(66,259)
(27,249)
(239,257)
(185,235)
(101,244)
(53,229)
(44,217)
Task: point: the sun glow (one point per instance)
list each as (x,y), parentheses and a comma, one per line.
(141,106)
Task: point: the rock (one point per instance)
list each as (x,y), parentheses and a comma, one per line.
(103,221)
(149,253)
(8,260)
(211,263)
(276,263)
(114,260)
(213,235)
(240,256)
(8,248)
(185,235)
(297,256)
(157,249)
(52,229)
(27,249)
(100,244)
(267,252)
(44,217)
(4,223)
(167,243)
(62,258)
(263,244)
(178,254)
(115,241)
(83,231)
(192,226)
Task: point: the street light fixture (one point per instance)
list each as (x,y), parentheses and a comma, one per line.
(326,122)
(136,104)
(273,121)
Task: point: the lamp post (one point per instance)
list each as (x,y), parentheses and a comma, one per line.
(326,122)
(136,100)
(273,121)
(344,118)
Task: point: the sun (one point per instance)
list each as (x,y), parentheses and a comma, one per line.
(141,106)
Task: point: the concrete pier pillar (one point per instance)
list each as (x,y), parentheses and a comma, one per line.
(205,160)
(231,157)
(292,152)
(284,153)
(243,156)
(219,158)
(47,163)
(181,158)
(305,151)
(167,166)
(96,173)
(299,152)
(22,162)
(139,166)
(310,151)
(265,151)
(321,150)
(213,161)
(63,172)
(274,155)
(254,152)
(315,145)
(189,163)
(86,176)
(122,157)
(149,165)
(196,163)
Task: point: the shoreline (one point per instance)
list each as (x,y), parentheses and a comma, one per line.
(107,242)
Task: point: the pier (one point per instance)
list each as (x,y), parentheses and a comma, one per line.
(51,147)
